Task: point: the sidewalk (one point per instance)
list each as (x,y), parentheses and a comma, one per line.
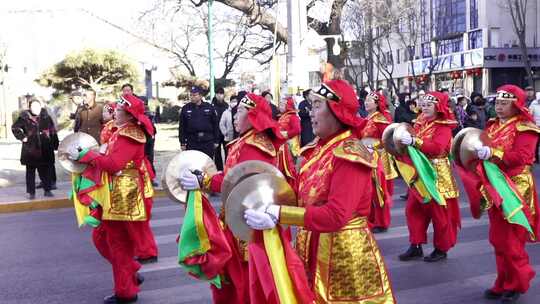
(13,197)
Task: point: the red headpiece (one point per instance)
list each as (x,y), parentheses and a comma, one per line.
(381,102)
(517,96)
(134,106)
(441,104)
(260,114)
(110,107)
(289,106)
(342,101)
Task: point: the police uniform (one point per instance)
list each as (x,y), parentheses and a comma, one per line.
(199,127)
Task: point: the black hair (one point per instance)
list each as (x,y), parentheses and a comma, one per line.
(267,93)
(305,94)
(220,90)
(127,85)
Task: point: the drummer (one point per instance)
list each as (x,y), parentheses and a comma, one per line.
(378,119)
(513,136)
(132,191)
(339,252)
(259,139)
(432,136)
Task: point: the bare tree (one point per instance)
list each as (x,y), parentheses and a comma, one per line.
(518,13)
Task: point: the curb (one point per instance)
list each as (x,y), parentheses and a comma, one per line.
(46,204)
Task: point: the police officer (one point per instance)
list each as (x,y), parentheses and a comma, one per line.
(199,126)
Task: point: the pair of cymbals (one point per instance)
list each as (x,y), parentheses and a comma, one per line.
(190,160)
(253,185)
(391,138)
(465,144)
(74,141)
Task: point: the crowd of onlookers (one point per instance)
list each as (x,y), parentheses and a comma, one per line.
(208,126)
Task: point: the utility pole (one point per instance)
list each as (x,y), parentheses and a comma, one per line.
(297,75)
(210,49)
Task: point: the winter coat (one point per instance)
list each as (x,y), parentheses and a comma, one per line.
(41,135)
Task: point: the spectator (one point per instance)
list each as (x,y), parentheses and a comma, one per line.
(269,97)
(35,128)
(88,117)
(404,112)
(220,106)
(534,108)
(530,95)
(225,124)
(304,108)
(477,109)
(234,107)
(361,98)
(198,127)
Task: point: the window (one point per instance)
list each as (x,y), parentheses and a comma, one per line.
(397,56)
(449,17)
(450,46)
(424,20)
(474,14)
(426,50)
(475,39)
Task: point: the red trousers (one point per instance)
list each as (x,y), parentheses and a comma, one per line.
(145,246)
(445,221)
(514,273)
(115,241)
(380,216)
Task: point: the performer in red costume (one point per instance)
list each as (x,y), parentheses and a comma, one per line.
(260,139)
(341,256)
(289,123)
(131,195)
(432,136)
(379,118)
(513,136)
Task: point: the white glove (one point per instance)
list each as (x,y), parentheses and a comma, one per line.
(188,180)
(73,153)
(406,138)
(262,220)
(483,152)
(103,149)
(370,149)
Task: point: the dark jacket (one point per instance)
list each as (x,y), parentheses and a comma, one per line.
(306,133)
(198,123)
(403,113)
(41,136)
(220,107)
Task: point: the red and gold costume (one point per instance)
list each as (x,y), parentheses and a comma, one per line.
(341,257)
(512,144)
(384,173)
(433,137)
(260,143)
(289,123)
(130,196)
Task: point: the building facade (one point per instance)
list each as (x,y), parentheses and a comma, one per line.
(461,44)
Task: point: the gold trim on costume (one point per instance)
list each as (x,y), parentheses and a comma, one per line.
(290,215)
(353,150)
(261,141)
(498,153)
(523,126)
(418,142)
(323,149)
(133,132)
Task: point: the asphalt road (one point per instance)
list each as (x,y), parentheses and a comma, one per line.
(45,258)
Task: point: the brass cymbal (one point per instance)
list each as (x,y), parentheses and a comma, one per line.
(402,127)
(456,145)
(469,139)
(255,192)
(388,139)
(243,170)
(78,139)
(190,159)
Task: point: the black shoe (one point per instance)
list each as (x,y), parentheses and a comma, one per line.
(48,194)
(140,278)
(414,252)
(53,187)
(31,196)
(148,260)
(39,186)
(113,299)
(378,229)
(491,295)
(404,196)
(435,256)
(510,297)
(155,184)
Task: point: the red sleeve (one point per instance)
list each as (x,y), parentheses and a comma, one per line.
(522,152)
(248,152)
(346,198)
(124,150)
(439,142)
(380,129)
(294,126)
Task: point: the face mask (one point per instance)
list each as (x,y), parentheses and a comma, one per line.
(35,108)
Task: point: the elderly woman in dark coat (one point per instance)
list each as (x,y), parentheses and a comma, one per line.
(35,128)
